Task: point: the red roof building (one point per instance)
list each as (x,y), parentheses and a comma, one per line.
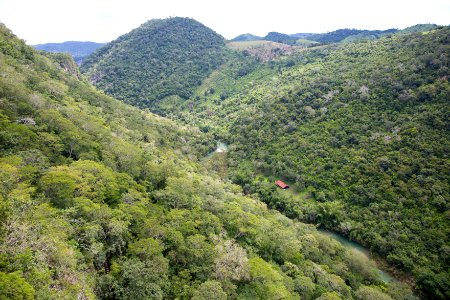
(281,184)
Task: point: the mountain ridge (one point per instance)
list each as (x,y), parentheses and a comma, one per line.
(336,36)
(78,50)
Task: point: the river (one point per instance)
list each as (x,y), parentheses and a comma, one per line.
(220,148)
(353,246)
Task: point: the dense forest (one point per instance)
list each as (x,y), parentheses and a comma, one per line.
(161,59)
(360,130)
(101,200)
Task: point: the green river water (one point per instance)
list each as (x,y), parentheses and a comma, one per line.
(353,246)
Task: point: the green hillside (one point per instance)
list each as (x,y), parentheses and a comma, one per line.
(361,130)
(161,58)
(101,200)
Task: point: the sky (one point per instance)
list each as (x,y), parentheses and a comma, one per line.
(42,21)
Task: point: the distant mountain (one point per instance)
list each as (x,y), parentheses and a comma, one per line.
(79,50)
(161,58)
(280,38)
(342,34)
(246,37)
(300,35)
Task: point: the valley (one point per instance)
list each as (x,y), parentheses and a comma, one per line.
(148,173)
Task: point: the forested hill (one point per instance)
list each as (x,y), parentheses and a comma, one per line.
(361,130)
(100,200)
(280,38)
(161,58)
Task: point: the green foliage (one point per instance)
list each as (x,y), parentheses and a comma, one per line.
(59,186)
(329,296)
(267,282)
(370,293)
(99,183)
(210,290)
(14,287)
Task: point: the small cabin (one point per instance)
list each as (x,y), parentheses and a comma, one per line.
(281,184)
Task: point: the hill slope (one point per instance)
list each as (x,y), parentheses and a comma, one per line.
(99,200)
(159,59)
(362,130)
(78,50)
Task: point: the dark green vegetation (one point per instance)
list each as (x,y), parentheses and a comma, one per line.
(78,50)
(361,130)
(160,59)
(101,200)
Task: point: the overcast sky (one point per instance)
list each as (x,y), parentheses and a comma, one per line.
(42,21)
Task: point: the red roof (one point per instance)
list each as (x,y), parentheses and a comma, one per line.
(281,184)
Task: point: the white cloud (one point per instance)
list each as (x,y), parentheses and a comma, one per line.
(40,21)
